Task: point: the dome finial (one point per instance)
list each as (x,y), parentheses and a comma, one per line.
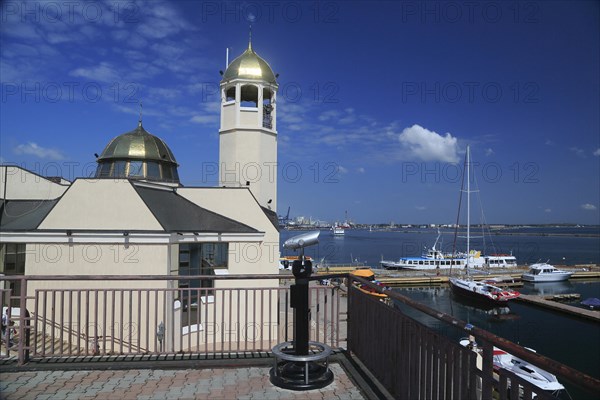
(140,120)
(250,37)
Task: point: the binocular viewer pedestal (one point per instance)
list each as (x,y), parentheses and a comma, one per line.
(301,364)
(297,372)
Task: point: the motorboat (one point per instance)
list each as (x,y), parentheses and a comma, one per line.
(337,230)
(544,272)
(482,291)
(524,370)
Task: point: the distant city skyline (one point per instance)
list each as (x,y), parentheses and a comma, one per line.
(377,101)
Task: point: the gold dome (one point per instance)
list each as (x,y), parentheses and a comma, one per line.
(138,155)
(140,145)
(249,65)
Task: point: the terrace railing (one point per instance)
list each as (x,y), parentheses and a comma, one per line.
(145,316)
(68,317)
(413,361)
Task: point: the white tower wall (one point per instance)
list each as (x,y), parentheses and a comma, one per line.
(248,137)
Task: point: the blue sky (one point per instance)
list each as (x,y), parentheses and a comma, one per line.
(377,100)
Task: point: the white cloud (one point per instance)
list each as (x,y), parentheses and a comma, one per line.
(597,152)
(32,148)
(549,143)
(489,152)
(588,207)
(578,152)
(330,114)
(342,170)
(168,50)
(548,210)
(428,145)
(103,72)
(360,170)
(421,208)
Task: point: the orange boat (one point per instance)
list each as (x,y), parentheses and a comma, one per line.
(368,274)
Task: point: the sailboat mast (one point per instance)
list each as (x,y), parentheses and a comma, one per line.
(468,166)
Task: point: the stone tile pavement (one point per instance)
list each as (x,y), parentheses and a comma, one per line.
(145,384)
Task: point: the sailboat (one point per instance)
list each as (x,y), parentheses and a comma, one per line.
(467,287)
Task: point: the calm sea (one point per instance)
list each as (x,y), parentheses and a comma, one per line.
(564,246)
(572,341)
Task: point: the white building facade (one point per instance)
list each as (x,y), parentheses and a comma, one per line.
(134,218)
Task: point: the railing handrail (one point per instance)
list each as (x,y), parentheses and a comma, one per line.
(577,377)
(571,374)
(142,277)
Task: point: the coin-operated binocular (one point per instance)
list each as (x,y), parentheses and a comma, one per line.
(302,268)
(295,368)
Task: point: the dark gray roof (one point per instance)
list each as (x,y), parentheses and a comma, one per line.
(24,215)
(177,214)
(272,215)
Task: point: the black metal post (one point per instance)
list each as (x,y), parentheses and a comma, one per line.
(302,269)
(295,368)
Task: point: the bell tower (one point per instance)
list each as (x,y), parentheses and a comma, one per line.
(248,132)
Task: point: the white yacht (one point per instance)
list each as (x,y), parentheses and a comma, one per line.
(532,374)
(337,230)
(544,272)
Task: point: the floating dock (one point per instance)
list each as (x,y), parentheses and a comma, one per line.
(510,277)
(541,301)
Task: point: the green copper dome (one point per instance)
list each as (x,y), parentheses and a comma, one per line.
(249,66)
(138,155)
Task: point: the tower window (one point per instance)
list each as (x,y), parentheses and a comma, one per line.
(249,96)
(230,94)
(267,96)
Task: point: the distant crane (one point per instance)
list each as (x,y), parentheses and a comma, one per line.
(284,220)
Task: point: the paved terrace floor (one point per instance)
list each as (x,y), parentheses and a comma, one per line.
(210,383)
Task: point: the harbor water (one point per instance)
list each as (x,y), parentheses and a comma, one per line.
(562,246)
(569,340)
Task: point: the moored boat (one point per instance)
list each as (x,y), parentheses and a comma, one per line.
(544,272)
(593,303)
(524,370)
(436,259)
(482,291)
(368,274)
(467,287)
(337,230)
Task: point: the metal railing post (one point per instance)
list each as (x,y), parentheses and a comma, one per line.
(23,348)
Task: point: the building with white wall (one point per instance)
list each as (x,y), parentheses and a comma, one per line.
(136,218)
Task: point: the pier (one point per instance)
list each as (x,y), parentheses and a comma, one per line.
(431,278)
(541,301)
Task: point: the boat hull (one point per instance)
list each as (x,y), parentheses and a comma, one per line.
(524,370)
(547,278)
(476,296)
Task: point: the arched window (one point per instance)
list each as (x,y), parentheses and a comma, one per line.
(249,96)
(230,94)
